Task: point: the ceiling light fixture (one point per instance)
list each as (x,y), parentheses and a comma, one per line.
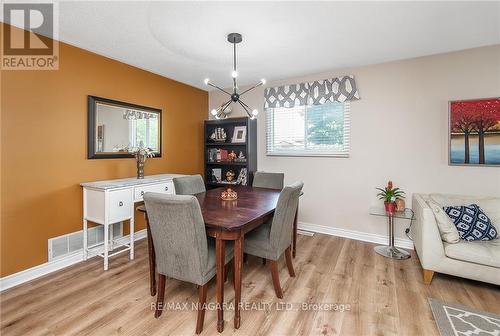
(220,113)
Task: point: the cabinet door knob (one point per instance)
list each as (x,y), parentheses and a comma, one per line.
(142,193)
(120,203)
(166,188)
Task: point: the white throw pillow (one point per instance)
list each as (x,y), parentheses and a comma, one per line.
(447,229)
(490,205)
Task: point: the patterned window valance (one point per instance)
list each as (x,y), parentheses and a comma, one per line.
(338,89)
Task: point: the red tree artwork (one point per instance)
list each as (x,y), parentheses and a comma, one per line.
(462,121)
(475,116)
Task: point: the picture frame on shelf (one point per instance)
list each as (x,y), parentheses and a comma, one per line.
(217,175)
(242,177)
(239,134)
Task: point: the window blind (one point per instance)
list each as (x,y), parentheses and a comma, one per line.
(309,130)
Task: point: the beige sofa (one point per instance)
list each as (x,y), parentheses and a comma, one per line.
(477,260)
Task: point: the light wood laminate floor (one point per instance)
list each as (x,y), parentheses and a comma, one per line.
(386,297)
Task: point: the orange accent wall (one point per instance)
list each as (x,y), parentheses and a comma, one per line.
(44,144)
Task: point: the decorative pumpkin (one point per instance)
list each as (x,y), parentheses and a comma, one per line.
(230,175)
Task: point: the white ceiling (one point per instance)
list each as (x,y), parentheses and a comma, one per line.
(186,41)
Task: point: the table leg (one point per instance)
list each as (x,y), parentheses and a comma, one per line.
(390,251)
(391,230)
(85,240)
(111,243)
(238,264)
(106,241)
(294,240)
(152,261)
(220,246)
(132,229)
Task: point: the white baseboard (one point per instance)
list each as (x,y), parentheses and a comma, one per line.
(54,265)
(356,235)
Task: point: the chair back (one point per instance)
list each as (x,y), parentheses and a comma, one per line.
(189,185)
(179,236)
(268,180)
(284,216)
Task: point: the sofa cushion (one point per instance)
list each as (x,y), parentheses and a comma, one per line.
(471,222)
(447,229)
(490,205)
(479,252)
(491,208)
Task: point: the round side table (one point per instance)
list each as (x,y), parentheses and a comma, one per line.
(391,251)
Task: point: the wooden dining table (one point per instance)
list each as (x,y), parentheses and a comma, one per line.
(227,221)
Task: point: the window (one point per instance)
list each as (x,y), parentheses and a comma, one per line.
(316,130)
(145,132)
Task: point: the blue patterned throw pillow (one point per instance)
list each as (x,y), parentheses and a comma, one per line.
(471,222)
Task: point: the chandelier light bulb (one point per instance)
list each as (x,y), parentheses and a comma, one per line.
(255,112)
(263,81)
(214,112)
(234,74)
(206,81)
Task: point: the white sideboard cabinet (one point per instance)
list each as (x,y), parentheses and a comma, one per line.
(113,201)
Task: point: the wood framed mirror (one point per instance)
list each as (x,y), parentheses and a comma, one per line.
(115,127)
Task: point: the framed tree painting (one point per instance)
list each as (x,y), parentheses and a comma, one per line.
(474,132)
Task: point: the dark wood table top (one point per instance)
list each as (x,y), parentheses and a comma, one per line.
(253,204)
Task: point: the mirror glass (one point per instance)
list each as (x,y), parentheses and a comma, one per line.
(120,127)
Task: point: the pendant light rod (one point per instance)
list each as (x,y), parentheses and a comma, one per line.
(234,74)
(245,108)
(215,86)
(262,82)
(226,105)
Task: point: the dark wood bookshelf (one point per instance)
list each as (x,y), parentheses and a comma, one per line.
(215,144)
(249,149)
(227,163)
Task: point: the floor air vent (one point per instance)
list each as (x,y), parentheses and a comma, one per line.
(71,243)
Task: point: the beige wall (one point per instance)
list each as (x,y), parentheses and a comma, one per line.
(44,144)
(398,132)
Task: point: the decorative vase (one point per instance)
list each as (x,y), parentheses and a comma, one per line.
(390,207)
(141,160)
(400,204)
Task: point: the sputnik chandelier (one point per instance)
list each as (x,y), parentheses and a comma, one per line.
(220,112)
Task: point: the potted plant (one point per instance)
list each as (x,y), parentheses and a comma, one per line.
(390,195)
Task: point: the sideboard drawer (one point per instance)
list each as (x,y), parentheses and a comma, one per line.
(165,187)
(120,205)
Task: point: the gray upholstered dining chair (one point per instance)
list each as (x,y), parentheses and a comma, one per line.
(189,185)
(182,249)
(268,180)
(271,239)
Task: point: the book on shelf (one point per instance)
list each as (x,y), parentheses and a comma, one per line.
(212,155)
(223,155)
